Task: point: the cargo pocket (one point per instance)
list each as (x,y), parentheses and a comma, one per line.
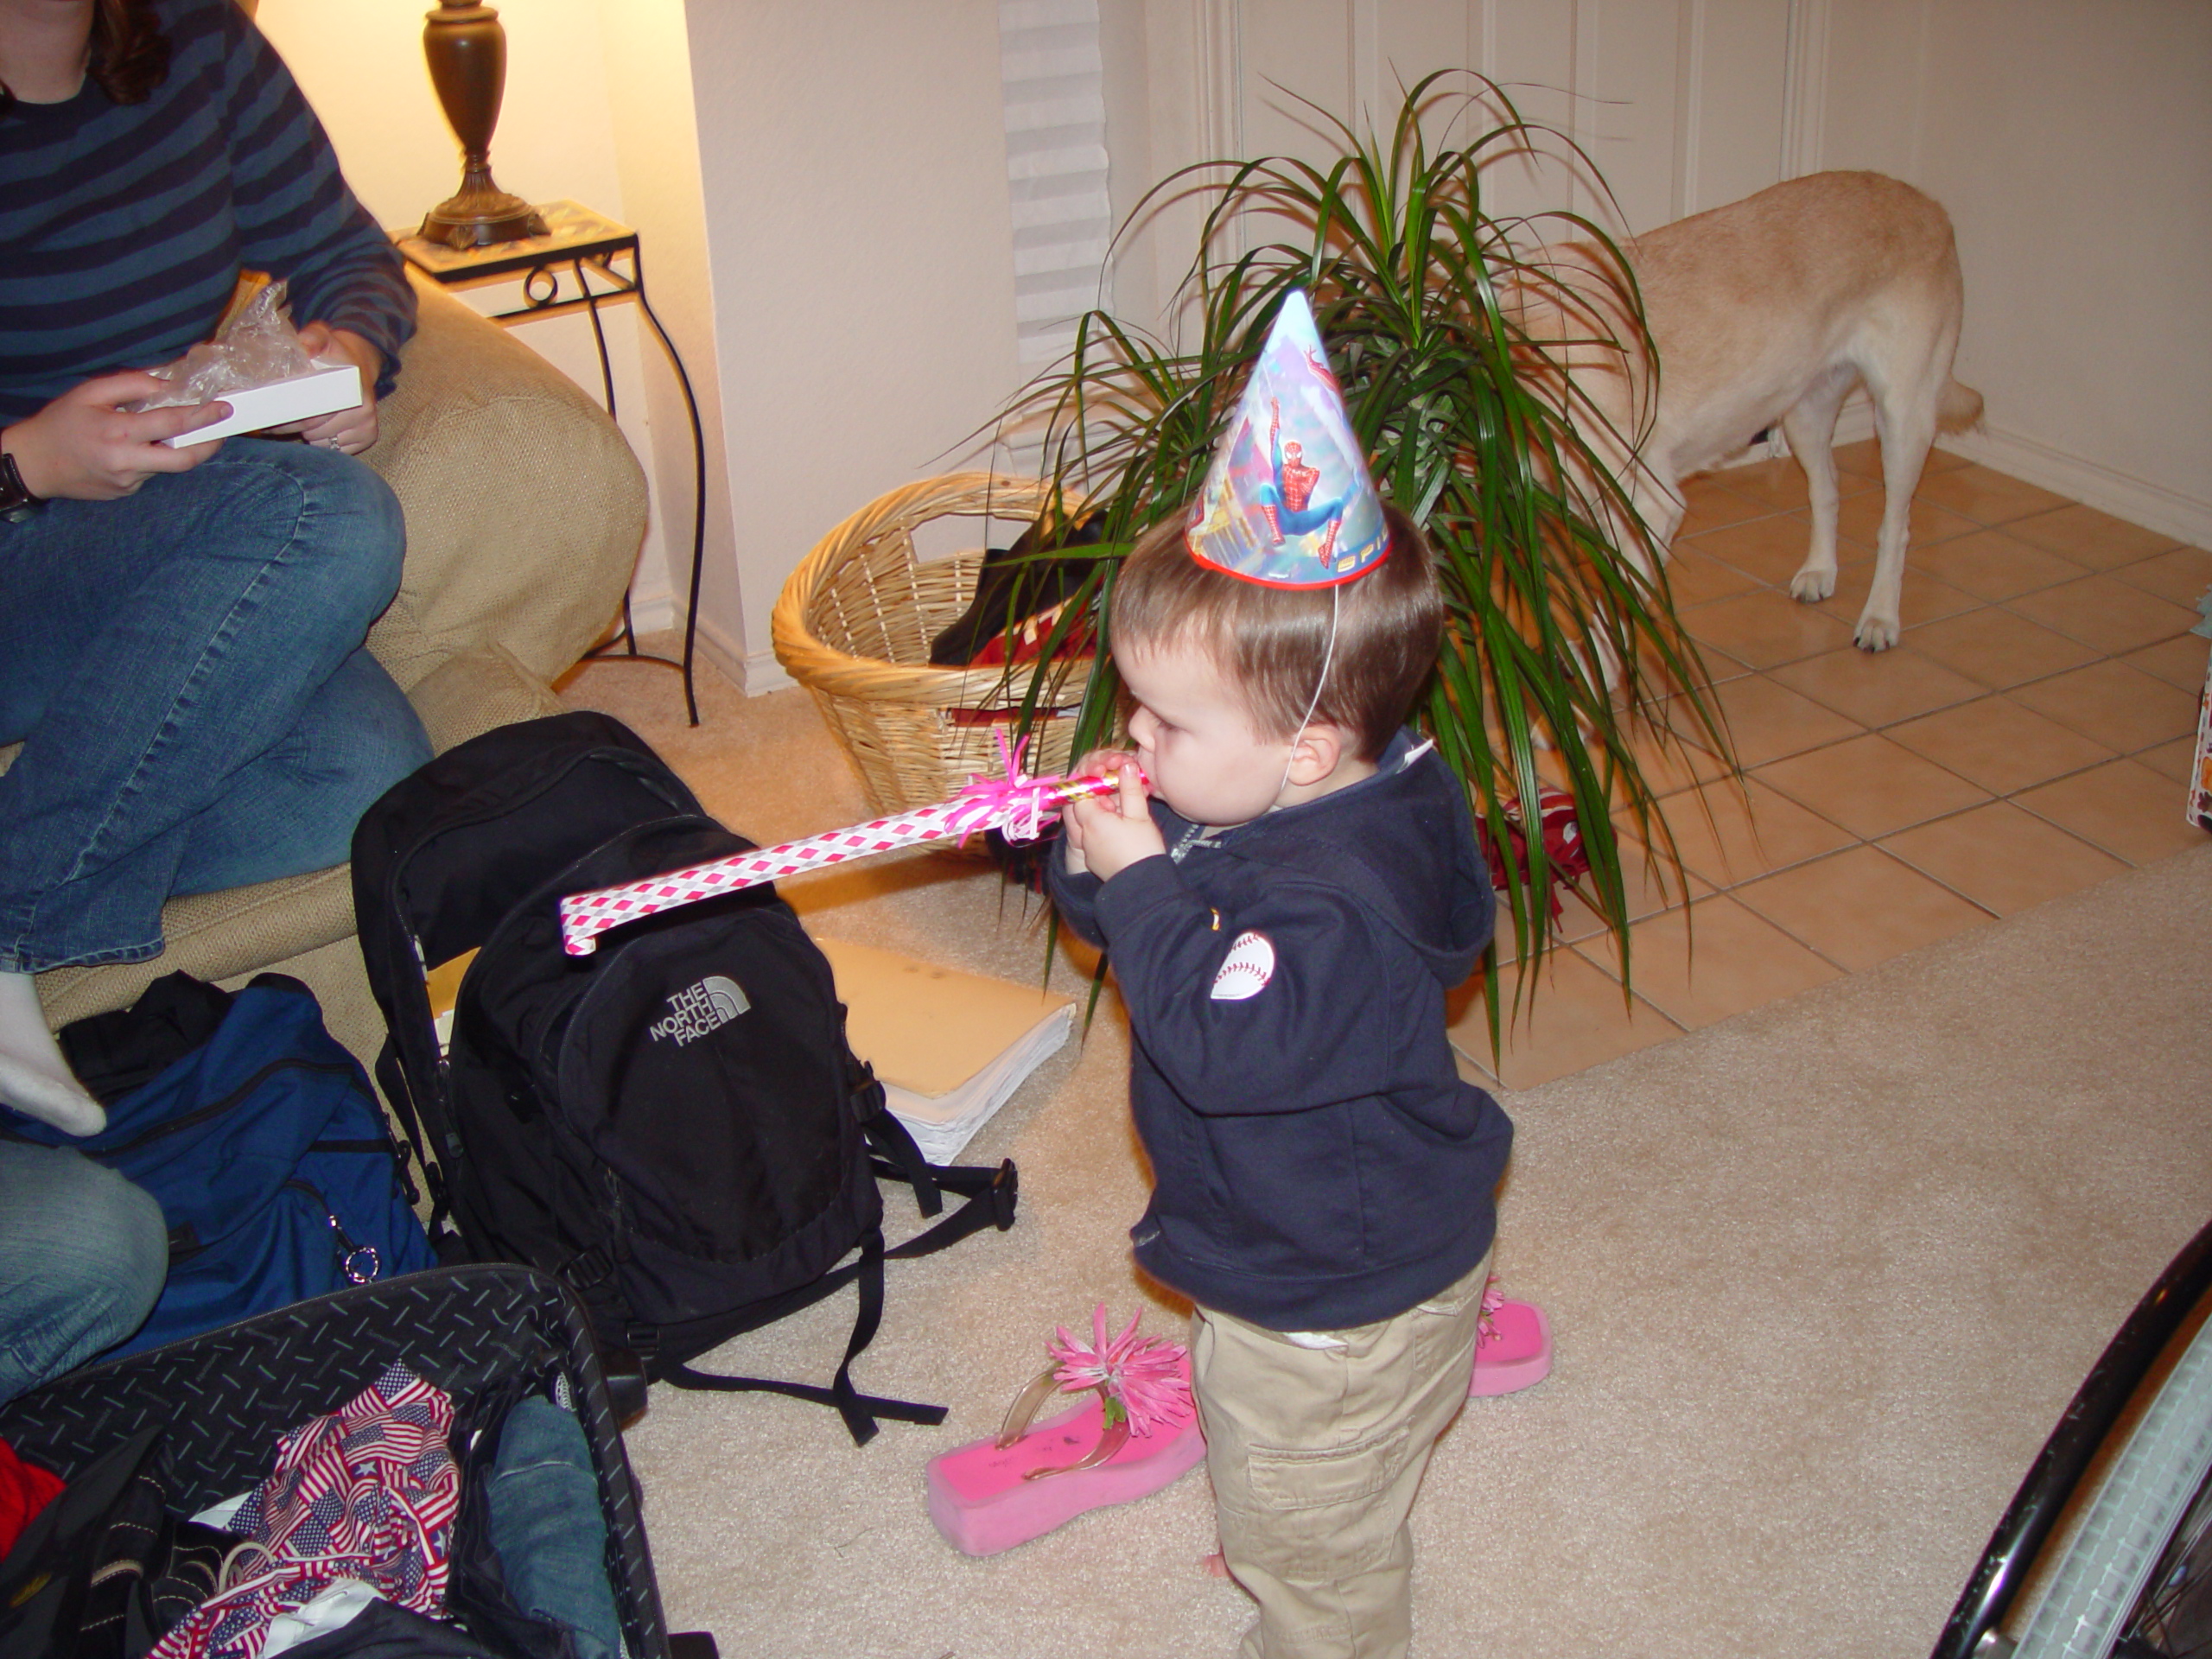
(1316,1510)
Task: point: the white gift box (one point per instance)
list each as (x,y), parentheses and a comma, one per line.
(329,388)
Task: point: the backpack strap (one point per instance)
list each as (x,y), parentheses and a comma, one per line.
(859,1410)
(991,1194)
(891,1147)
(392,1077)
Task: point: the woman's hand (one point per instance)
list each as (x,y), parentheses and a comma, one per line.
(349,431)
(86,446)
(1106,834)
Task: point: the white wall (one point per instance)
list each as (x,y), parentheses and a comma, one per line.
(854,167)
(648,65)
(598,109)
(2071,141)
(1681,105)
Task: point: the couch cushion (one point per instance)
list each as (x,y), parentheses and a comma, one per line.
(525,508)
(214,935)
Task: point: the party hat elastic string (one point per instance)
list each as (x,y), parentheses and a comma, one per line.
(1328,661)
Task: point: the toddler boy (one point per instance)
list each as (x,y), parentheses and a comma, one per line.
(1284,915)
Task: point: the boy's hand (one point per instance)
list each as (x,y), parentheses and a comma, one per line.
(1099,763)
(1106,834)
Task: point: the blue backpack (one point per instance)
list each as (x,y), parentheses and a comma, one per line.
(258,1136)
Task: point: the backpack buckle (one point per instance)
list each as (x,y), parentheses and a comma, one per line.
(623,1371)
(586,1270)
(865,1091)
(1005,1189)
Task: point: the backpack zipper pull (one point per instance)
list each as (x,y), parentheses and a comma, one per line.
(351,1256)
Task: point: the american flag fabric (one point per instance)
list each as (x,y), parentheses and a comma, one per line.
(368,1492)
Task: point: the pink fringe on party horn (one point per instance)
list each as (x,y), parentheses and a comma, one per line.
(1019,807)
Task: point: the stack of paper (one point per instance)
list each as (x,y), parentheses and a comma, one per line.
(949,1047)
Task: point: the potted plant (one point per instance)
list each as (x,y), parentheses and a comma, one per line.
(1561,639)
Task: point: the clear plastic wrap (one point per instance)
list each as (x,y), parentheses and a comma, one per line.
(255,346)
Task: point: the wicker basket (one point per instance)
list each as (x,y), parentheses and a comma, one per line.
(853,623)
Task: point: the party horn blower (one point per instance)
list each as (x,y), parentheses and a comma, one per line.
(1018,807)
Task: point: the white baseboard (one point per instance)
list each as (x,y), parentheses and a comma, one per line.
(755,672)
(763,673)
(731,657)
(654,613)
(2186,518)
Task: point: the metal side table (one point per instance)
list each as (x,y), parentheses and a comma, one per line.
(586,246)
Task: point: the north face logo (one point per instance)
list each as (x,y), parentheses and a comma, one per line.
(697,1009)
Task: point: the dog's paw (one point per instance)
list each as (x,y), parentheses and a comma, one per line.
(1813,585)
(1876,633)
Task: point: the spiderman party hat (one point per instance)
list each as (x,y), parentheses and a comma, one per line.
(1288,502)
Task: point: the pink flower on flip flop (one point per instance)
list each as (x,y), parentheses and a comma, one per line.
(1141,1377)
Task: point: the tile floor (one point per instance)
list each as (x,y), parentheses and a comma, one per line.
(2030,736)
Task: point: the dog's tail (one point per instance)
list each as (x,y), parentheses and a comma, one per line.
(1957,408)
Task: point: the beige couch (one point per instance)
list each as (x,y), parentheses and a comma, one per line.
(524,511)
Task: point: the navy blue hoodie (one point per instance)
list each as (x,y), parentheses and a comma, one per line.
(1318,1161)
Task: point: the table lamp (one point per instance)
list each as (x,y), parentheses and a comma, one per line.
(467,54)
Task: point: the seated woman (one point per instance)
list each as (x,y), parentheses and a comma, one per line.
(182,628)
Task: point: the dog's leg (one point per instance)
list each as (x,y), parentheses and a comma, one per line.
(1659,503)
(1905,417)
(1810,427)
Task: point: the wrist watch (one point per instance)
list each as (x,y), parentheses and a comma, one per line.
(16,502)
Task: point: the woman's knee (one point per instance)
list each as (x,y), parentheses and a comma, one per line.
(354,520)
(86,1253)
(336,518)
(363,735)
(293,808)
(142,1258)
(131,1235)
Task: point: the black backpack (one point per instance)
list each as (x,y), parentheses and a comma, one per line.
(674,1125)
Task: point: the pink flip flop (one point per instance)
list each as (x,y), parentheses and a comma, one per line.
(1515,1348)
(1137,1435)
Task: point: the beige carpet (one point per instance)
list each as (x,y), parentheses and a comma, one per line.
(1820,1277)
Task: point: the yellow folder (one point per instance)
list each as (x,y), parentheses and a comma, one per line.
(949,1045)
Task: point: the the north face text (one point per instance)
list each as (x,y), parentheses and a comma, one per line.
(698,1009)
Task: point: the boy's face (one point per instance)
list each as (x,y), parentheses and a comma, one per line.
(1195,740)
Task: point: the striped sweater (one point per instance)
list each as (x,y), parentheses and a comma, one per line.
(123,228)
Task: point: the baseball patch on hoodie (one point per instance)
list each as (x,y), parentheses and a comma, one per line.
(1246,969)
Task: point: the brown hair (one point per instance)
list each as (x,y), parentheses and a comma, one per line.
(127,56)
(1271,643)
(130,55)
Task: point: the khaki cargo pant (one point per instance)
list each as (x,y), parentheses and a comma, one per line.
(1315,1455)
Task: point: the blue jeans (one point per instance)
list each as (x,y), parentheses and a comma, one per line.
(548,1529)
(185,669)
(83,1254)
